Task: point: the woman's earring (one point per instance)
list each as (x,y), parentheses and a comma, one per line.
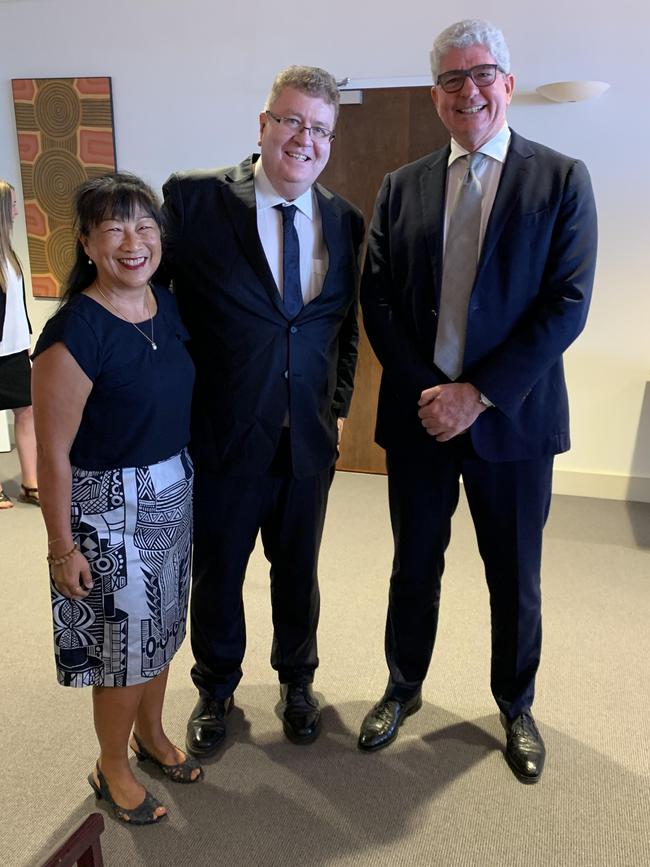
(90,262)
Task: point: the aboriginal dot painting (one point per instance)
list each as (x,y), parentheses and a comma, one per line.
(65,136)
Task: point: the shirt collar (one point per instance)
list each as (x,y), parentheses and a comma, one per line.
(496,147)
(267,197)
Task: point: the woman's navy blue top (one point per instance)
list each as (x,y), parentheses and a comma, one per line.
(138,412)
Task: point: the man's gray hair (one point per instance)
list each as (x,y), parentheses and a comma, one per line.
(463,34)
(307,79)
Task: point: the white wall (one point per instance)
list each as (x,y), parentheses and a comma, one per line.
(190,77)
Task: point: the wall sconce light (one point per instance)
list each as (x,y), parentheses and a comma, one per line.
(572,91)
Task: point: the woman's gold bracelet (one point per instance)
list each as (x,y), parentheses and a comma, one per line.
(56,561)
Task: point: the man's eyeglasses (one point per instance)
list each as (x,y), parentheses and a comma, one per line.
(317,133)
(483,76)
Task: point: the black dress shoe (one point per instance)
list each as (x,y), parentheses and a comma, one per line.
(206,727)
(300,712)
(525,750)
(381,724)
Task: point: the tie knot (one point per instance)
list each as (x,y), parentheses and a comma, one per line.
(473,162)
(288,212)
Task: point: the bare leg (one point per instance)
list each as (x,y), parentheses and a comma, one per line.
(149,728)
(26,444)
(114,710)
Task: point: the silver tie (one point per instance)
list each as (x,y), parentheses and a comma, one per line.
(459,271)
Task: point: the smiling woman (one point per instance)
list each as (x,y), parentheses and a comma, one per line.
(112,392)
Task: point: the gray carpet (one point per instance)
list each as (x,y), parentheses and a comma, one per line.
(442,794)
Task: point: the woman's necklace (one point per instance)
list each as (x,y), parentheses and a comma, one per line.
(150,340)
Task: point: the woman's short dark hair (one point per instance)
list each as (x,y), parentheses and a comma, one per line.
(116,196)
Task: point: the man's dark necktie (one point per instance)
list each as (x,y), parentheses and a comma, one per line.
(459,271)
(291,291)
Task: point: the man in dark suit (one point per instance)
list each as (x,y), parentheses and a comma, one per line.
(264,262)
(478,276)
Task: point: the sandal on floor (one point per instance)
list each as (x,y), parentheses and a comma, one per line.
(4,499)
(143,814)
(180,773)
(29,495)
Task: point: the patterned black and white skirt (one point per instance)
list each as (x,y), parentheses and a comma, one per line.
(134,526)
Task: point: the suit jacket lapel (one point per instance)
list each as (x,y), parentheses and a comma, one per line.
(240,203)
(433,183)
(331,227)
(508,192)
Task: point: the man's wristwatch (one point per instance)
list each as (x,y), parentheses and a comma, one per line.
(485,401)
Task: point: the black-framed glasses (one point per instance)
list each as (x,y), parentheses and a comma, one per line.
(482,75)
(317,133)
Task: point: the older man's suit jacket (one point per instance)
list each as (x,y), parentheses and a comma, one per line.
(529,301)
(254,364)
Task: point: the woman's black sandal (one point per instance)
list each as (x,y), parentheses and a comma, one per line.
(180,773)
(143,814)
(29,495)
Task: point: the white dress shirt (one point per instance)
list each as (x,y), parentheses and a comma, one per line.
(314,258)
(488,175)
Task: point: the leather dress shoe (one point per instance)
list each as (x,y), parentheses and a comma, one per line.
(206,727)
(300,712)
(381,724)
(525,750)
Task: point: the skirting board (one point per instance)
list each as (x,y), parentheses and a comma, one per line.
(601,486)
(604,486)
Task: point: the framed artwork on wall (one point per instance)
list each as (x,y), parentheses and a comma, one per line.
(65,136)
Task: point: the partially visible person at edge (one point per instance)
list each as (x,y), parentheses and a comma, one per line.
(112,390)
(264,264)
(15,343)
(478,277)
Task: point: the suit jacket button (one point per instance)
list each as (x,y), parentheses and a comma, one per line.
(286,374)
(293,329)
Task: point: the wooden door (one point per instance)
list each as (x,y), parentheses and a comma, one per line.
(391,127)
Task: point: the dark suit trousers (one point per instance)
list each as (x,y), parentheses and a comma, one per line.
(509,505)
(229,510)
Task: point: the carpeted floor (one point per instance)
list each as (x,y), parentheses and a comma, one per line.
(442,794)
